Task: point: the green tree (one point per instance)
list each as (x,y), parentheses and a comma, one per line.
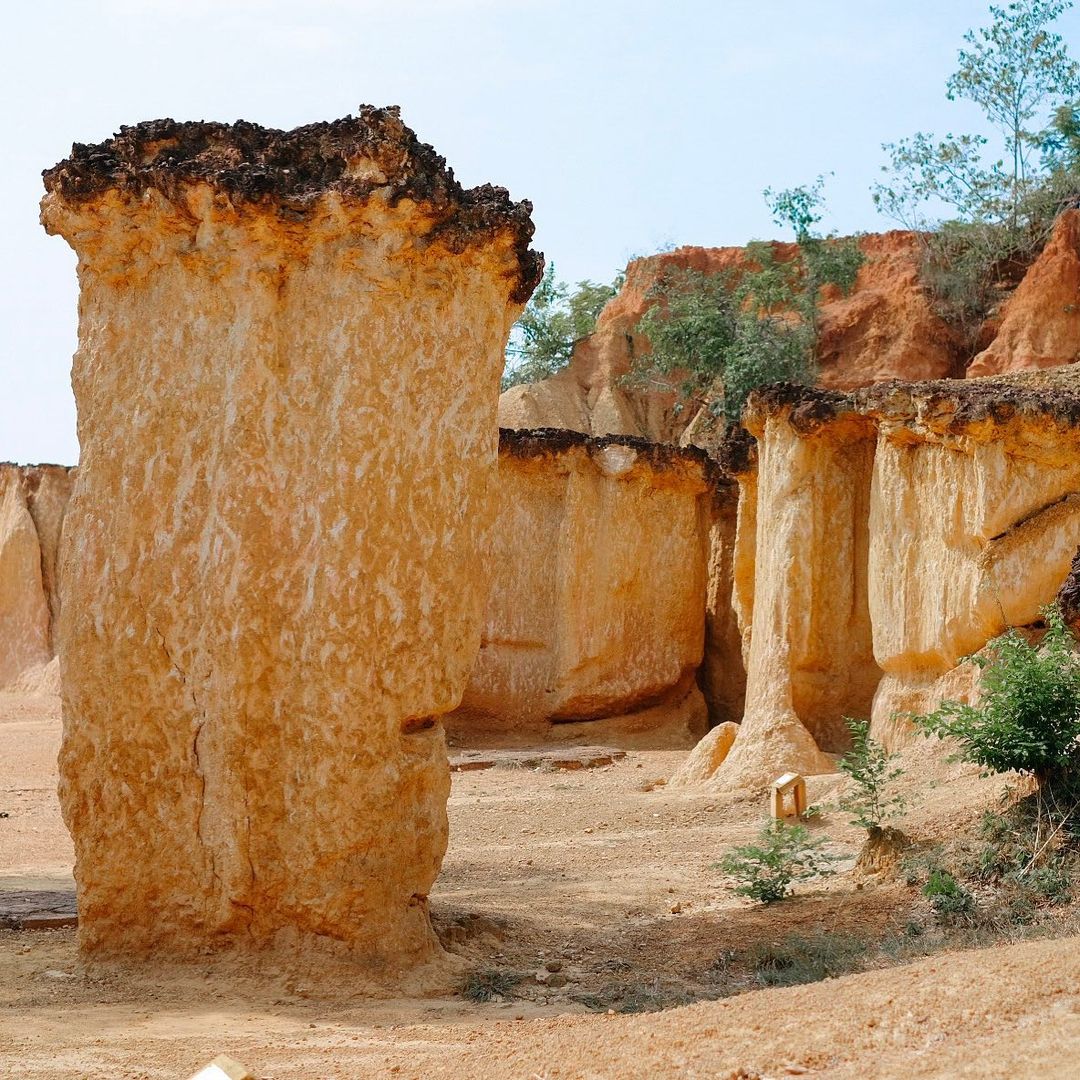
(1011,69)
(872,771)
(557,317)
(1028,718)
(1015,70)
(716,337)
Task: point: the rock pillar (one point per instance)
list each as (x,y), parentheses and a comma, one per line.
(809,654)
(287,376)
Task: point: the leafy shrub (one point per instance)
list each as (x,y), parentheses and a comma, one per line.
(870,767)
(946,895)
(1028,720)
(716,337)
(783,855)
(555,320)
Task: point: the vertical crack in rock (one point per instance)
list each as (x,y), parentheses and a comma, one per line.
(287,377)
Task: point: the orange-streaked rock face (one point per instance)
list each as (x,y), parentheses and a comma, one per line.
(1040,323)
(287,375)
(596,619)
(885,329)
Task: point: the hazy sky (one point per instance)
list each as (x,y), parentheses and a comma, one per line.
(630,124)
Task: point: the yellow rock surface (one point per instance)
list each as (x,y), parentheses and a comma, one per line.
(287,376)
(24,608)
(808,595)
(722,675)
(882,536)
(709,754)
(598,590)
(973,530)
(48,490)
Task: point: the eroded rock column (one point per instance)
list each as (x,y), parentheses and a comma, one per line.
(800,585)
(287,375)
(24,607)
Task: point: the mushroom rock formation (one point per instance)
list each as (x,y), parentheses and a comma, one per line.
(596,619)
(1040,324)
(885,329)
(287,377)
(800,584)
(974,521)
(24,607)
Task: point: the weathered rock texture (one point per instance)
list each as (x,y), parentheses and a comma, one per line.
(885,329)
(802,550)
(33,501)
(596,619)
(974,521)
(289,352)
(722,675)
(1039,324)
(884,535)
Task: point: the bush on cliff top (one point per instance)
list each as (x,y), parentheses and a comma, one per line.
(557,317)
(716,337)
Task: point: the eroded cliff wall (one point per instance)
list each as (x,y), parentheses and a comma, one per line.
(974,519)
(286,380)
(886,329)
(596,618)
(883,535)
(33,501)
(801,588)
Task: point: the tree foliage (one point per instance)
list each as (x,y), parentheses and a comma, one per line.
(716,337)
(1028,719)
(1016,70)
(987,205)
(872,770)
(556,318)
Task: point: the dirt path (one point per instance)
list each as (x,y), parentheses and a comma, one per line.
(588,871)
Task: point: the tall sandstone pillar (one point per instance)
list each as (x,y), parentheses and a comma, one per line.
(287,376)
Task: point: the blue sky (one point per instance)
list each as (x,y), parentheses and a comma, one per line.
(630,125)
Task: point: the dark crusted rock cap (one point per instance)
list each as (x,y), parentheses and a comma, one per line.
(256,164)
(540,442)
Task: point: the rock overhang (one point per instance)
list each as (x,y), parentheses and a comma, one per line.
(538,443)
(979,408)
(356,159)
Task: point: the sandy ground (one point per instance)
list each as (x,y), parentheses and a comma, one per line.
(599,872)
